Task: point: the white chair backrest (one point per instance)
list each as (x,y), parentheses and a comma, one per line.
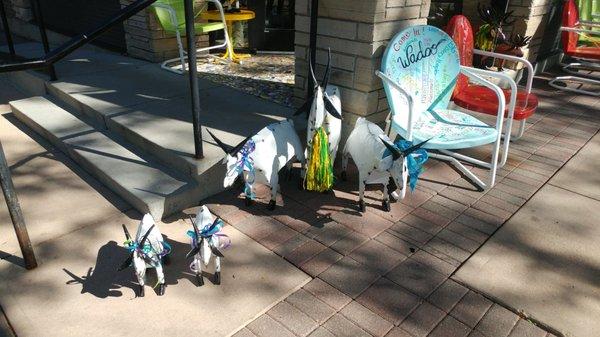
(423,61)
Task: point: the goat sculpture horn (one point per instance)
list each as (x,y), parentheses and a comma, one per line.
(127,235)
(196,249)
(312,72)
(239,146)
(145,237)
(327,70)
(396,154)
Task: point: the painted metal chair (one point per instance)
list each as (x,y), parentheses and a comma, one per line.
(480,98)
(419,70)
(171,16)
(586,54)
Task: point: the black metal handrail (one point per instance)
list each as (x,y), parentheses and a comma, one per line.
(53,56)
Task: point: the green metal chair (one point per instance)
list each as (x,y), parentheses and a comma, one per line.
(171,16)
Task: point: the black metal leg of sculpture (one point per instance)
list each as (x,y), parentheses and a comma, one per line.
(161,289)
(217,278)
(141,291)
(199,280)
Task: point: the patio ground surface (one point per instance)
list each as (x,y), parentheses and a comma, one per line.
(372,274)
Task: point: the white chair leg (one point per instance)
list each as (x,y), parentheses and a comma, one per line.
(575,79)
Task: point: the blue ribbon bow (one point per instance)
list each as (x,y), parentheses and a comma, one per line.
(246,162)
(414,161)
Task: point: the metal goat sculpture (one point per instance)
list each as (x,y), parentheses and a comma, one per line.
(206,241)
(260,157)
(324,110)
(147,250)
(380,161)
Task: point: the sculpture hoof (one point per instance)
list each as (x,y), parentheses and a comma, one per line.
(141,291)
(361,206)
(161,289)
(344,176)
(217,278)
(386,206)
(248,201)
(199,280)
(271,206)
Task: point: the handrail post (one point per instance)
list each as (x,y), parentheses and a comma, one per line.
(37,13)
(193,74)
(15,212)
(11,46)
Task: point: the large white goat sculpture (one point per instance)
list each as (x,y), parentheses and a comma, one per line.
(324,109)
(148,250)
(206,241)
(260,157)
(378,159)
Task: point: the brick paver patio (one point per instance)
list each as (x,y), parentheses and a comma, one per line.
(388,274)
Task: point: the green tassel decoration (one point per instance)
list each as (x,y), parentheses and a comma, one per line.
(319,174)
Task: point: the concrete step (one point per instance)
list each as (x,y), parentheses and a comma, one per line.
(151,109)
(139,179)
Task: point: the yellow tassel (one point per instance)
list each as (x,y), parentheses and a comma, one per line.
(319,174)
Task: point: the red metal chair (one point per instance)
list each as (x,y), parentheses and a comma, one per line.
(478,98)
(587,54)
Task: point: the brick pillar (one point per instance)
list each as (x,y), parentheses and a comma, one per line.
(357,32)
(147,40)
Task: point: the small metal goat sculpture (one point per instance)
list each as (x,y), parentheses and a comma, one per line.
(147,251)
(206,240)
(324,110)
(379,160)
(260,157)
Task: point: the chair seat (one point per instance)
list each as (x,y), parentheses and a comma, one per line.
(200,28)
(483,99)
(450,129)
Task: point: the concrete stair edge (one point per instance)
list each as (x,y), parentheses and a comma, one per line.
(164,155)
(190,193)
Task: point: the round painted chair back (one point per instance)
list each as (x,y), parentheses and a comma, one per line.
(423,61)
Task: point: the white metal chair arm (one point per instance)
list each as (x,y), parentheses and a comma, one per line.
(522,60)
(579,30)
(409,99)
(476,74)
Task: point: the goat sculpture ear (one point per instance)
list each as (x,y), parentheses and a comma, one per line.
(396,154)
(331,108)
(306,106)
(222,145)
(227,149)
(127,235)
(414,148)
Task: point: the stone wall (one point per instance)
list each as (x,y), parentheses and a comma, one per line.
(147,40)
(530,17)
(357,32)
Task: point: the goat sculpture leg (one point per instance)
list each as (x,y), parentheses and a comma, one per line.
(386,199)
(217,279)
(198,262)
(274,185)
(161,280)
(361,191)
(345,157)
(140,271)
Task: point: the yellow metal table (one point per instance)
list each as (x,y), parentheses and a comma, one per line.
(230,18)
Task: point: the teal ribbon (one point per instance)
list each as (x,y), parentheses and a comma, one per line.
(414,161)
